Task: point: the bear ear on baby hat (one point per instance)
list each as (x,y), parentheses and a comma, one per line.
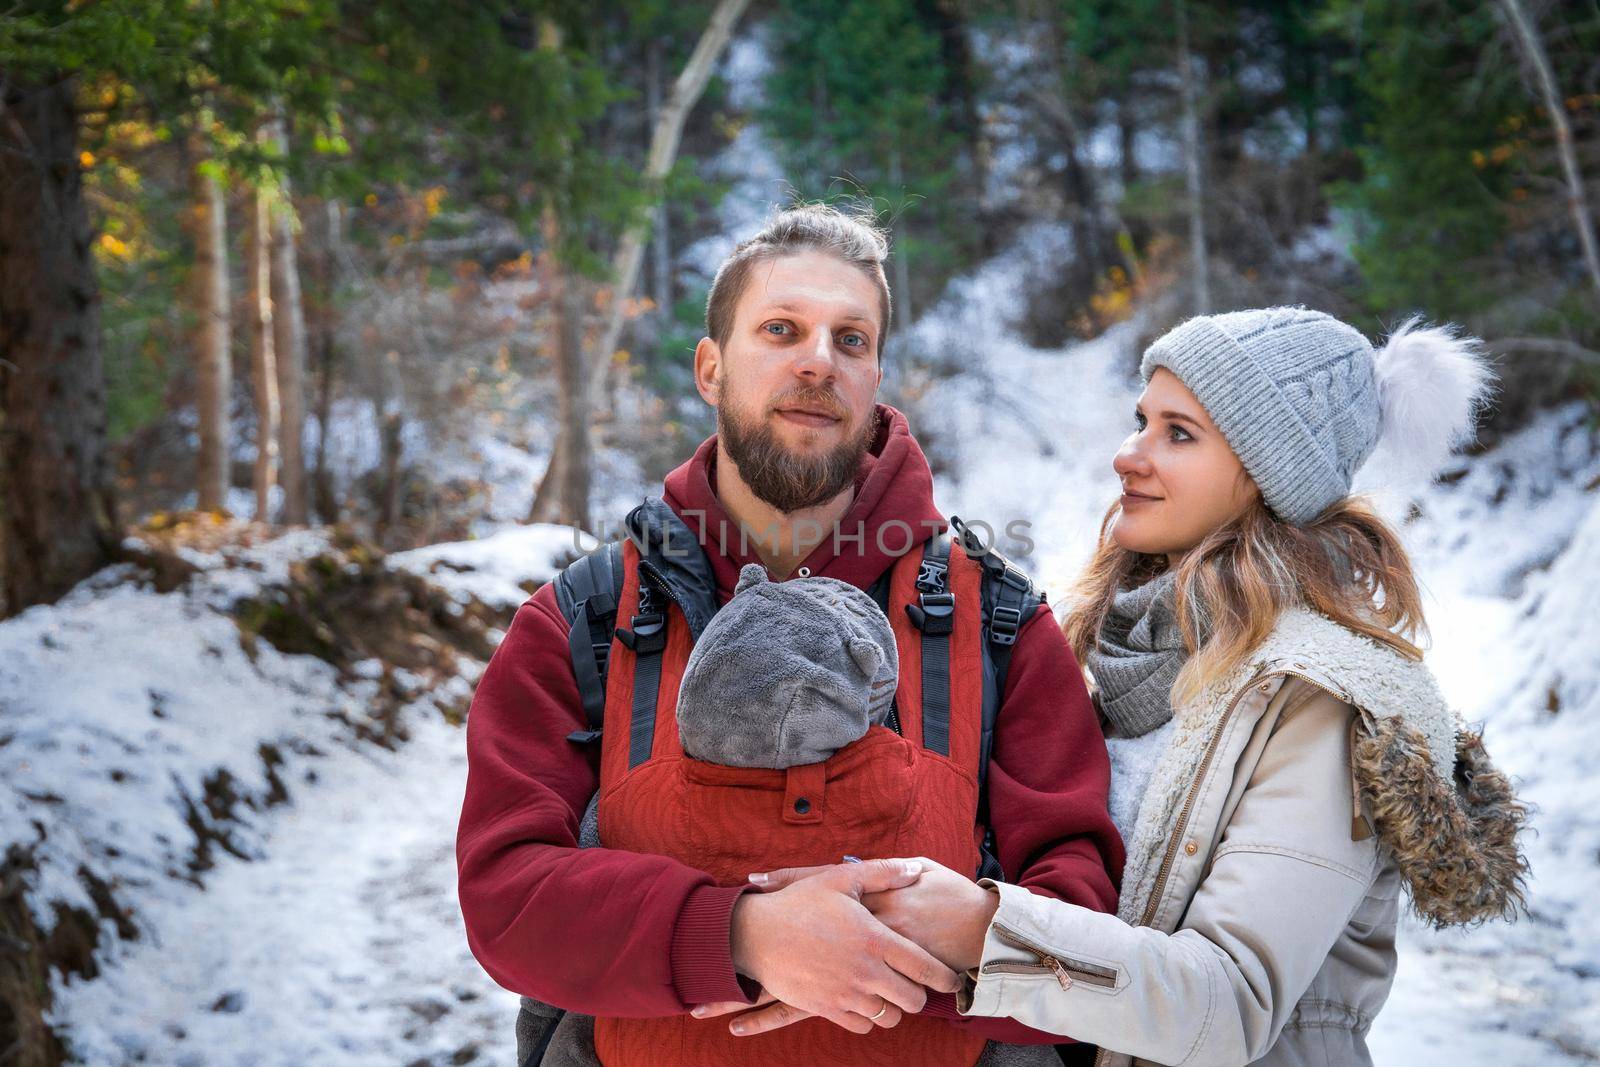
(751,574)
(868,655)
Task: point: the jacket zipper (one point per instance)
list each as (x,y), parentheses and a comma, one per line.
(1066,970)
(1188,801)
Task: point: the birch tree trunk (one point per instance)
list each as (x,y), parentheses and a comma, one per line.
(289,337)
(1533,50)
(55,496)
(208,229)
(660,237)
(1192,149)
(570,458)
(664,140)
(263,356)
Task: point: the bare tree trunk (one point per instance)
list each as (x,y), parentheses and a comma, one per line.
(902,235)
(660,237)
(545,506)
(556,499)
(563,493)
(263,355)
(1533,50)
(289,336)
(388,410)
(208,228)
(55,498)
(574,370)
(328,273)
(1192,167)
(1127,161)
(664,141)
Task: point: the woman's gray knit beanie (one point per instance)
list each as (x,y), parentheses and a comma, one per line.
(1294,391)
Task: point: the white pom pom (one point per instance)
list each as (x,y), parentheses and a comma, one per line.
(1431,384)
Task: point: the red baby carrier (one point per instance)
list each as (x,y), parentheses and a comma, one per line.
(910,788)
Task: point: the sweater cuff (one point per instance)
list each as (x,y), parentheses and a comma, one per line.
(702,948)
(941,1005)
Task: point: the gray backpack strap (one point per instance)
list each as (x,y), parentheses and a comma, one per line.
(587,592)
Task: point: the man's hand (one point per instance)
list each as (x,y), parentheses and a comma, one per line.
(945,913)
(812,945)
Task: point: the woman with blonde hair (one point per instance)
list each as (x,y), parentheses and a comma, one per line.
(1283,763)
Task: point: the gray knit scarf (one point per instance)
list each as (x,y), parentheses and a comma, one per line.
(1137,657)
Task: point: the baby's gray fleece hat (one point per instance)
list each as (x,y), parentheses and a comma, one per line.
(787,673)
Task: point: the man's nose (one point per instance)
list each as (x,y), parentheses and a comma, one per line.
(815,359)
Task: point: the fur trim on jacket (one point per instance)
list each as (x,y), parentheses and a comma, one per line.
(1449,816)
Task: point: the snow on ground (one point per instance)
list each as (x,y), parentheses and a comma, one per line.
(343,946)
(496,568)
(1511,555)
(331,935)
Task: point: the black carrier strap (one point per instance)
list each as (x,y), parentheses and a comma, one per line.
(1010,599)
(648,639)
(934,614)
(587,593)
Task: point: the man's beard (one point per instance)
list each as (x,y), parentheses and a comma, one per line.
(778,476)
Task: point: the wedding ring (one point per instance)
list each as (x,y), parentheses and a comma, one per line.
(875,1018)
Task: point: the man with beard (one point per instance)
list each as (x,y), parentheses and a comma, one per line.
(807,475)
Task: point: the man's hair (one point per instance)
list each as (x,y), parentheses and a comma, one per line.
(807,228)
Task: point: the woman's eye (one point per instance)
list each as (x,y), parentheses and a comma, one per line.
(1139,420)
(1180,434)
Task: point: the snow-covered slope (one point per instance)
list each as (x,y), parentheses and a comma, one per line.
(284,888)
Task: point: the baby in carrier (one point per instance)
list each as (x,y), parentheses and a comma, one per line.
(784,762)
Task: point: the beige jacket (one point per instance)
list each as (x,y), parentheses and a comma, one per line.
(1259,906)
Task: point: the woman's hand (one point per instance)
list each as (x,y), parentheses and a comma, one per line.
(946,913)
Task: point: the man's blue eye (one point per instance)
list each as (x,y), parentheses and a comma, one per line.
(776,327)
(854,339)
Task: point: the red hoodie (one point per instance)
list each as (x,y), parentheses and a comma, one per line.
(626,934)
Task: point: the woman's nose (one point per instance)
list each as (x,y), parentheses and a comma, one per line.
(1130,458)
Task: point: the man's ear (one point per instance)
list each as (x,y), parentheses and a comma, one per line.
(708,370)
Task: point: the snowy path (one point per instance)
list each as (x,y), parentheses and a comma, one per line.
(344,946)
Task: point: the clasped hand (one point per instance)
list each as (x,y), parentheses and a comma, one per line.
(858,944)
